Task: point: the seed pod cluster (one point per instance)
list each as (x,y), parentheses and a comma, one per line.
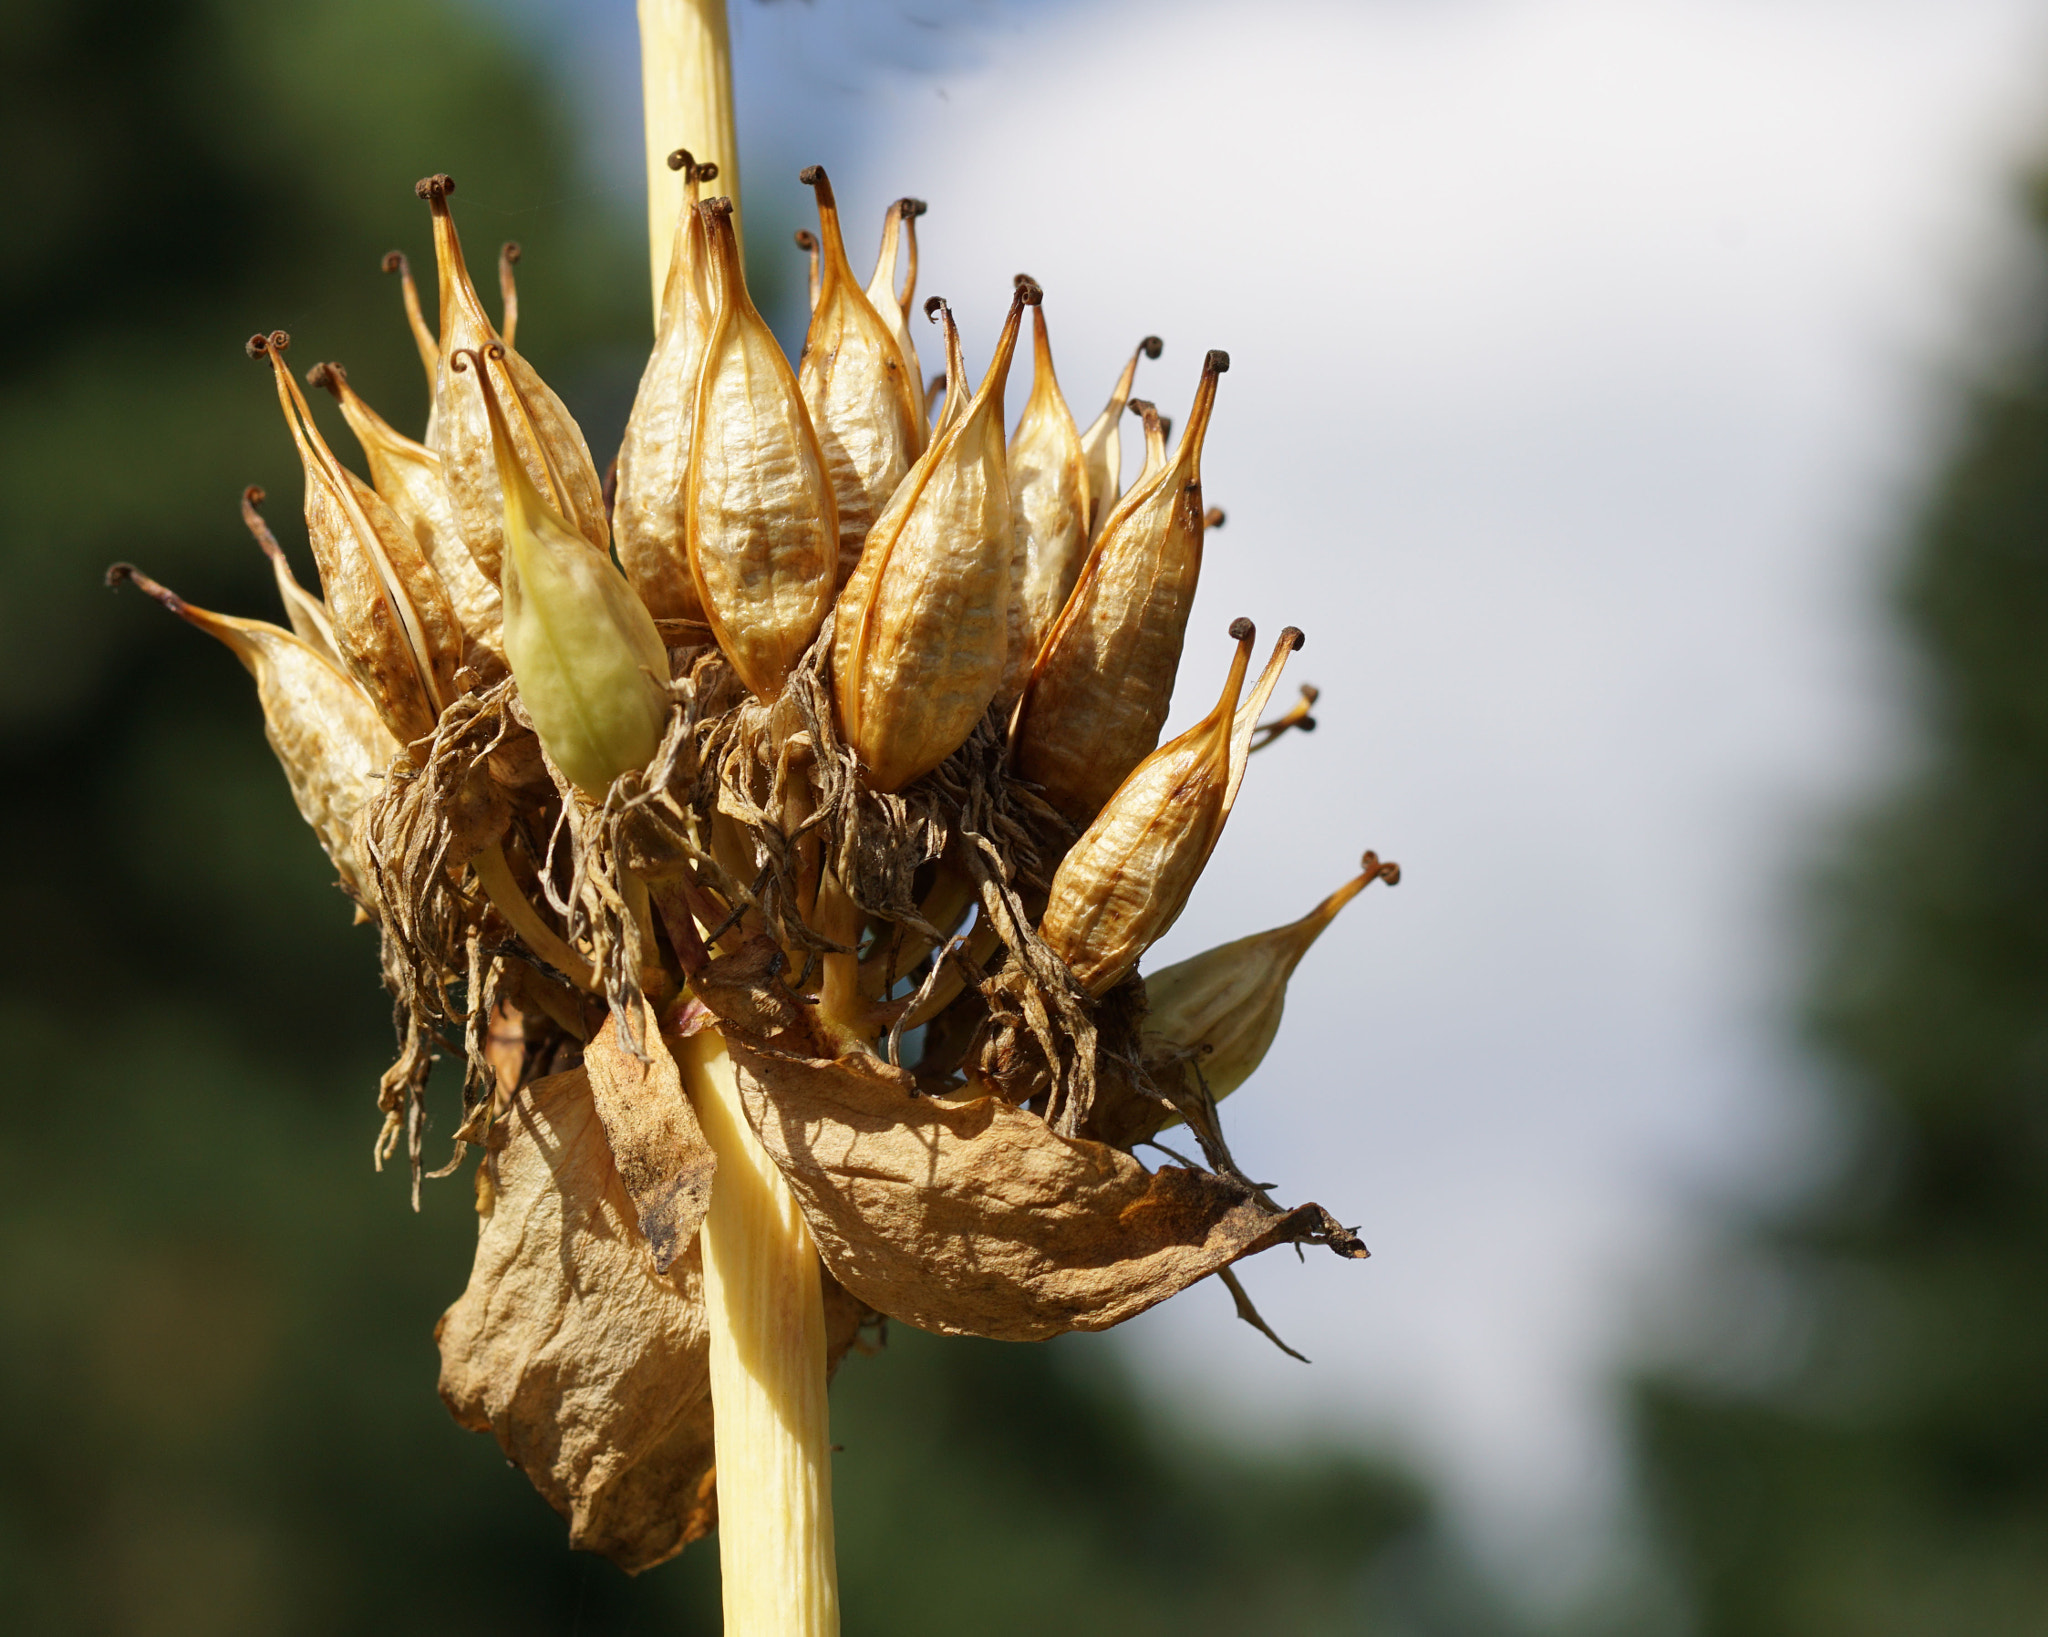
(851,752)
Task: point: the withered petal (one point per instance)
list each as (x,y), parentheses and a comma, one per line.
(970,1216)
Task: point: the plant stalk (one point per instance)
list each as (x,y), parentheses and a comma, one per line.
(686,91)
(767,1317)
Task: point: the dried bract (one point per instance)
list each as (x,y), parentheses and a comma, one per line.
(863,398)
(306,612)
(1100,688)
(1049,509)
(763,527)
(393,625)
(407,478)
(1101,446)
(328,738)
(1128,877)
(546,438)
(650,508)
(1217,1012)
(899,234)
(922,628)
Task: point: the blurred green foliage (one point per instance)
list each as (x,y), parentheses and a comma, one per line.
(1877,1464)
(217,1410)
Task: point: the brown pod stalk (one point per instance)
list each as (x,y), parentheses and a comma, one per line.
(422,334)
(1128,878)
(1101,445)
(1221,1009)
(922,628)
(650,509)
(308,614)
(763,532)
(548,441)
(394,627)
(328,737)
(1049,505)
(862,398)
(407,477)
(1100,686)
(899,233)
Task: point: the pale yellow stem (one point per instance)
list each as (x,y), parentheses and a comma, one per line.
(494,875)
(686,90)
(767,1318)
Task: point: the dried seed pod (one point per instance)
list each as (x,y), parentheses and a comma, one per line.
(899,231)
(921,630)
(422,337)
(1222,1008)
(590,665)
(862,397)
(393,625)
(328,737)
(1049,506)
(1101,445)
(1127,879)
(649,509)
(407,477)
(545,436)
(763,528)
(307,613)
(1100,686)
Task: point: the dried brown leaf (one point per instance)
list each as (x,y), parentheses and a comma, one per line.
(971,1216)
(656,1142)
(591,1369)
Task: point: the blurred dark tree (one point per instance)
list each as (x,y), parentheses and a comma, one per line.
(1878,1466)
(217,1411)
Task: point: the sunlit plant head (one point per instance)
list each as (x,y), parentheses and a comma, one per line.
(774,823)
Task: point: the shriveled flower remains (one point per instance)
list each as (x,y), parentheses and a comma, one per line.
(865,673)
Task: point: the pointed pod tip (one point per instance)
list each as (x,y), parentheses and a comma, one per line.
(1242,630)
(434,189)
(1216,362)
(1151,346)
(119,574)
